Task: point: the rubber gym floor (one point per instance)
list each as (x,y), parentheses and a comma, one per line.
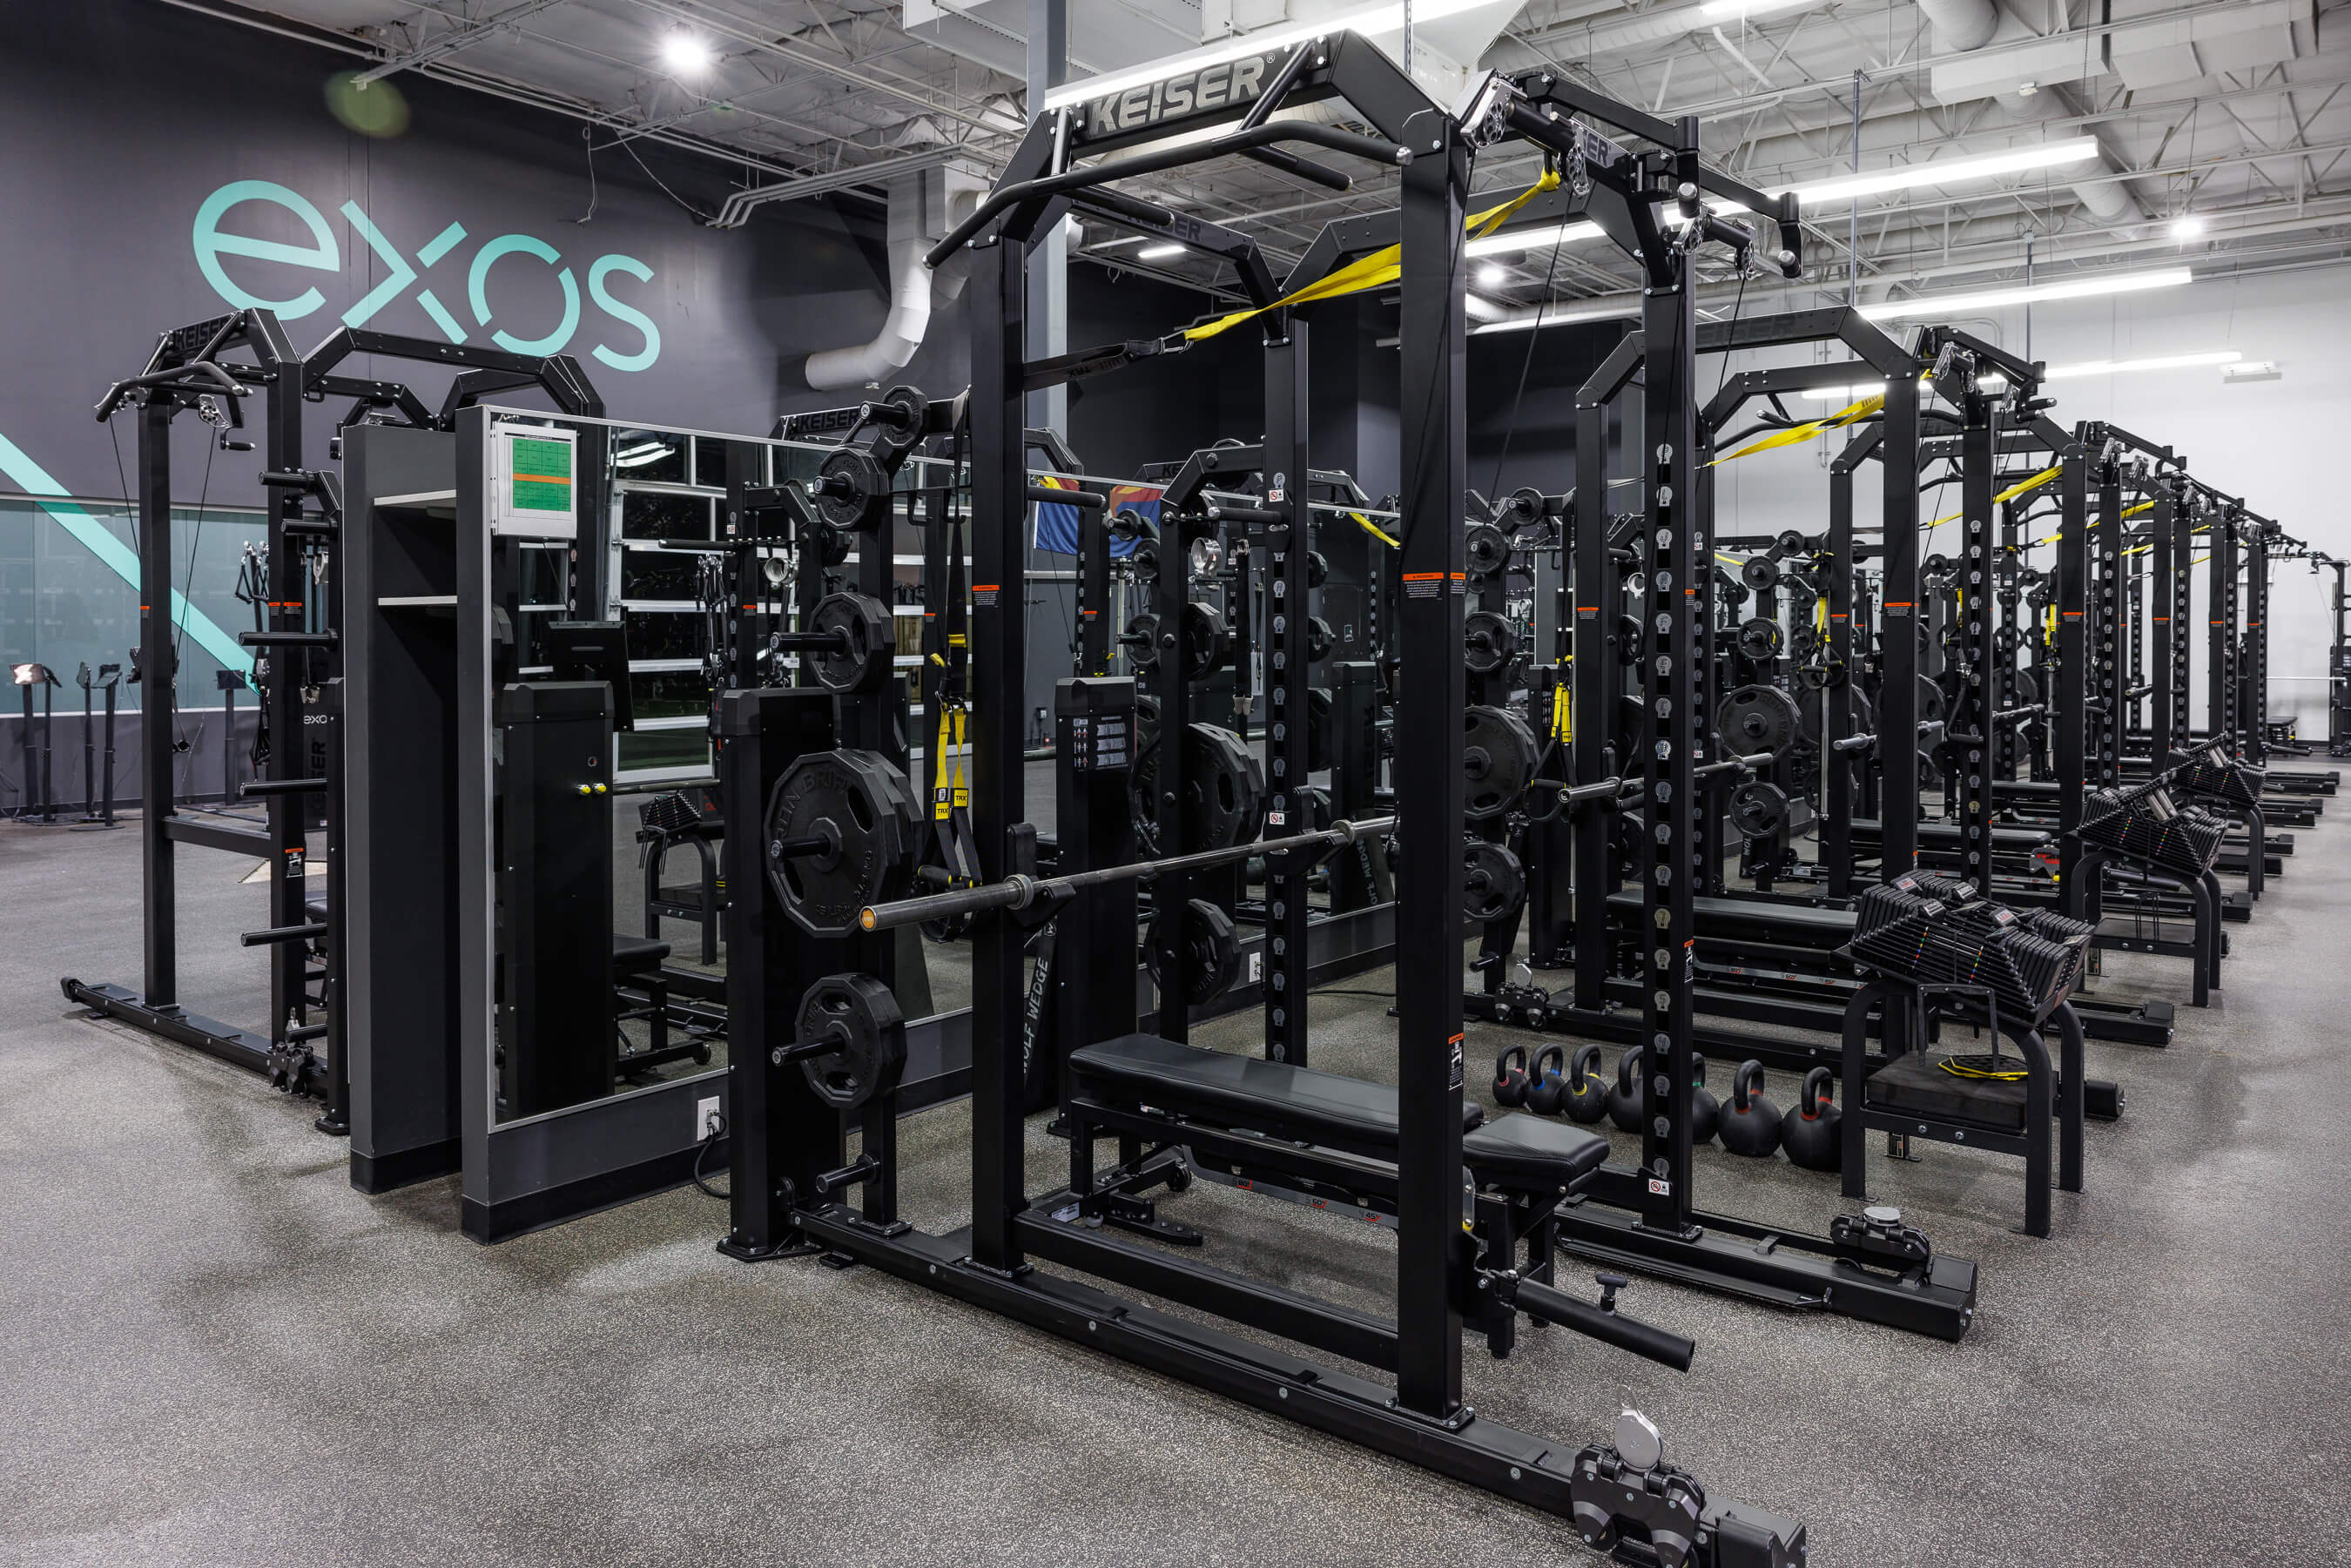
(219,1352)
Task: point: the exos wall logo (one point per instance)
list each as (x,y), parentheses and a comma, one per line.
(629,340)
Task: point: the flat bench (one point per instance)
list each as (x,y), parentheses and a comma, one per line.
(1304,1105)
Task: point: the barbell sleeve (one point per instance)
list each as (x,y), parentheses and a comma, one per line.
(1745,764)
(1020,891)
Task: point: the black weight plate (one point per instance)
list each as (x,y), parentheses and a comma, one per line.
(1498,758)
(1224,790)
(1758,809)
(860,806)
(1760,573)
(1487,641)
(1790,543)
(1212,951)
(1493,884)
(1753,719)
(1126,523)
(1140,640)
(871,1056)
(1930,701)
(1143,780)
(1321,728)
(1320,639)
(834,545)
(1317,568)
(1144,560)
(1207,642)
(1760,638)
(862,662)
(847,480)
(1486,550)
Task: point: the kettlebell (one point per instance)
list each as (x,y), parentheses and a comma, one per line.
(1751,1123)
(1586,1096)
(1705,1111)
(1510,1076)
(1809,1131)
(1546,1084)
(1629,1102)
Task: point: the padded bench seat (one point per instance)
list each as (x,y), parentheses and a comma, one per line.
(1755,920)
(637,954)
(1916,1082)
(1945,835)
(1305,1106)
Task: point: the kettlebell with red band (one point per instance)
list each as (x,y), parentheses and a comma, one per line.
(1510,1076)
(1809,1131)
(1751,1123)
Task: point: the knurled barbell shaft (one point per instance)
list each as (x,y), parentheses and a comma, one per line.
(1020,891)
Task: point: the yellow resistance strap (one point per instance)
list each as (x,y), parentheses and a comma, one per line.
(1812,429)
(1562,723)
(952,792)
(1373,528)
(1376,270)
(2011,494)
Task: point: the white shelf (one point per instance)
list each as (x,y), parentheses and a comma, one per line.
(417,601)
(423,501)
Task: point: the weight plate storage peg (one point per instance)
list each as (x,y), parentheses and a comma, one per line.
(1757,718)
(1487,641)
(1213,951)
(864,625)
(1497,759)
(1486,550)
(1493,884)
(840,828)
(860,1016)
(846,482)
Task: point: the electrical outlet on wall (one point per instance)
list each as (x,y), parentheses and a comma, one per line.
(706,1118)
(1257,965)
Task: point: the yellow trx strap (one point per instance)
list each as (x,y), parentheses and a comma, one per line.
(2011,494)
(952,793)
(1372,528)
(1562,721)
(1812,429)
(1376,270)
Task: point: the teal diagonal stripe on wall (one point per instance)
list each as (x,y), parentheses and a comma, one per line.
(35,481)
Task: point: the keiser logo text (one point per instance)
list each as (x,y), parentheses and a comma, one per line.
(1220,86)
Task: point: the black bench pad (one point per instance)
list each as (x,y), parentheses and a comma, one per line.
(1915,1081)
(635,955)
(1756,920)
(1310,1106)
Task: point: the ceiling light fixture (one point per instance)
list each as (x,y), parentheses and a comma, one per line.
(1947,171)
(1492,276)
(1158,251)
(1739,10)
(2188,225)
(2064,373)
(1530,240)
(1950,305)
(685,54)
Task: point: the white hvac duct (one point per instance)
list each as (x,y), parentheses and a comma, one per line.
(917,207)
(1961,25)
(1661,22)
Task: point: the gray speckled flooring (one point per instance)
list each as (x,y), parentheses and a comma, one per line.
(218,1353)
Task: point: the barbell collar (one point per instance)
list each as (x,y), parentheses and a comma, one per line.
(1018,892)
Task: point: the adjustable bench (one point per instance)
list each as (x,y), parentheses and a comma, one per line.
(1326,1138)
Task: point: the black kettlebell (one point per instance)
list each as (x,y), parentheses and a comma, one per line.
(1510,1076)
(1809,1131)
(1705,1111)
(1587,1097)
(1629,1102)
(1546,1081)
(1751,1123)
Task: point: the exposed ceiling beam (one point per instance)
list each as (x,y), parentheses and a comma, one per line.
(462,37)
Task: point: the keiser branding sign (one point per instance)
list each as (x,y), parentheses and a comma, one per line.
(626,338)
(1221,86)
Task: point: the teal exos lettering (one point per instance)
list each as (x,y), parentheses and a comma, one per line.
(629,338)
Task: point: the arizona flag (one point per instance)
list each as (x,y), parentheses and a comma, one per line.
(1056,521)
